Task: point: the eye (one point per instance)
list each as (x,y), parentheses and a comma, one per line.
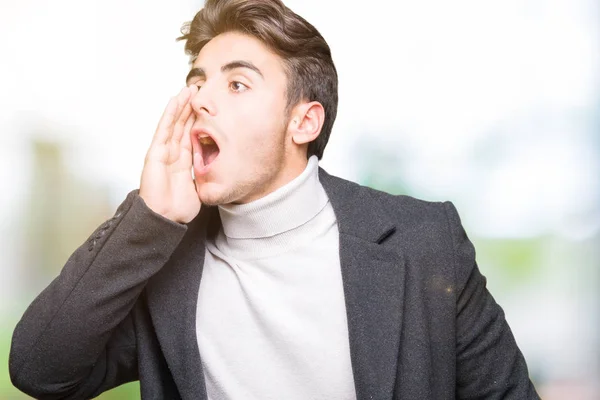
(238,87)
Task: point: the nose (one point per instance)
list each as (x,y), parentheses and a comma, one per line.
(202,102)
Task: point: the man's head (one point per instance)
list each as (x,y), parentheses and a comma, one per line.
(268,96)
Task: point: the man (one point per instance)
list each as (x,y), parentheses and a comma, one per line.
(260,276)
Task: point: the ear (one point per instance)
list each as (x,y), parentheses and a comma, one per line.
(306,122)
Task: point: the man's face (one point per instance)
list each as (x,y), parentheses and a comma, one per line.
(241,106)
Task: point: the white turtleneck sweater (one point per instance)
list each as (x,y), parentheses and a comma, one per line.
(271,318)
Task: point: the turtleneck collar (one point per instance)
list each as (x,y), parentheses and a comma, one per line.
(288,207)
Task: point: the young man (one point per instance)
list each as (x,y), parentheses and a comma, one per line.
(260,276)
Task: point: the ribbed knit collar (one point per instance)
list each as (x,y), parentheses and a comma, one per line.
(288,207)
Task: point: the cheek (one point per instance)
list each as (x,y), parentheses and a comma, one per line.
(257,118)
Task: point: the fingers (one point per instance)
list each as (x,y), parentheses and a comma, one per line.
(162,132)
(186,141)
(184,117)
(171,115)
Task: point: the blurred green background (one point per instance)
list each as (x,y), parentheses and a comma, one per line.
(492,105)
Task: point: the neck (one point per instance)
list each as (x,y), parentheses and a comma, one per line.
(285,208)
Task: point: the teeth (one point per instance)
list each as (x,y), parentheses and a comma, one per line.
(206,140)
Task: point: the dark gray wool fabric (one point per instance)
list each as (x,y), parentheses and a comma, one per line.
(421,322)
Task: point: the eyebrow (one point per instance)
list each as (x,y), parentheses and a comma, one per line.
(199,72)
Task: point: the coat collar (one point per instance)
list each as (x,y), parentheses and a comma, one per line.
(354,209)
(373,282)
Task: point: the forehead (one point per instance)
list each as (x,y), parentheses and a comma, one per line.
(231,46)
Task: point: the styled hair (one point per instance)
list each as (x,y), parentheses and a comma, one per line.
(311,74)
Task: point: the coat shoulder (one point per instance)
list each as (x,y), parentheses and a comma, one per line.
(361,209)
(403,208)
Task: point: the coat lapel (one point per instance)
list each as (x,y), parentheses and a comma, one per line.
(172,296)
(373,281)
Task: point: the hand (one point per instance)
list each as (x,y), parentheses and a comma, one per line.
(167,185)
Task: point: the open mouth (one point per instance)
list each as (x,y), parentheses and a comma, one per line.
(209,149)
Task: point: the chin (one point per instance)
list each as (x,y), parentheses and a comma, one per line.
(213,195)
(210,200)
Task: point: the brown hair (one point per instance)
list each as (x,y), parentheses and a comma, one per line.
(306,56)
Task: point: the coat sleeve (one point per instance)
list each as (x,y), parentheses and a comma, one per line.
(489,364)
(77,338)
